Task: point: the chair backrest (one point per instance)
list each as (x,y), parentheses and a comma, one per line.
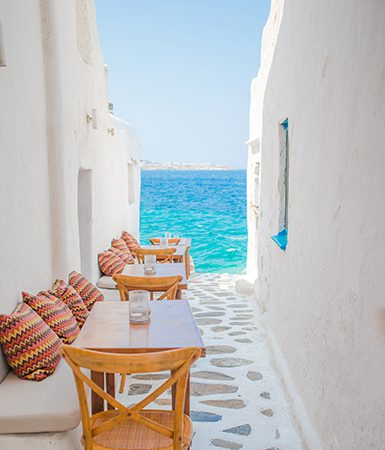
(162,254)
(178,362)
(171,241)
(167,285)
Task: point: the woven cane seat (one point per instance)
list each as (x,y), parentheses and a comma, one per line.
(130,435)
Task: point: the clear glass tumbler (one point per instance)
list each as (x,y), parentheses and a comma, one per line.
(139,306)
(163,242)
(149,264)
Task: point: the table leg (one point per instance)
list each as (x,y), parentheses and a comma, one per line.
(187,262)
(110,386)
(97,403)
(173,392)
(187,396)
(179,294)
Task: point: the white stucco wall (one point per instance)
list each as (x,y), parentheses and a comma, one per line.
(324,296)
(54,77)
(257,92)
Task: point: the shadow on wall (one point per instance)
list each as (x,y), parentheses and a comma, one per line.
(85,220)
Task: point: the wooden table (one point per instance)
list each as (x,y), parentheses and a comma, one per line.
(162,270)
(107,329)
(182,253)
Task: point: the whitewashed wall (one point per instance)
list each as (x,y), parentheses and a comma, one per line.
(324,296)
(54,77)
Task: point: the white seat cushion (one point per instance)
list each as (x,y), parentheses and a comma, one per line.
(46,406)
(106,282)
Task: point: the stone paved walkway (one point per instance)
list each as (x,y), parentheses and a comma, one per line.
(237,402)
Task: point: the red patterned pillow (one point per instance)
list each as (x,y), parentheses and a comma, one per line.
(87,291)
(55,314)
(120,244)
(72,299)
(131,242)
(127,258)
(110,264)
(29,345)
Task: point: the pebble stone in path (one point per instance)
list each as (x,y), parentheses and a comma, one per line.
(237,401)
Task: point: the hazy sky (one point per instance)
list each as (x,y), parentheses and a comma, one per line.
(180,72)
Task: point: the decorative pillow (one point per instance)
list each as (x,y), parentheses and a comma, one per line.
(121,245)
(87,291)
(131,242)
(72,299)
(29,345)
(110,264)
(55,314)
(127,258)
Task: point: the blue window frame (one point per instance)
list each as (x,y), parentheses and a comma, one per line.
(283,185)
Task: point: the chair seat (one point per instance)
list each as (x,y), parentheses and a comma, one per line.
(130,435)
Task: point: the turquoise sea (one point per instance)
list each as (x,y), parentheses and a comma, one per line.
(209,206)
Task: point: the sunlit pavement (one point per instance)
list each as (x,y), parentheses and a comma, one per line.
(236,399)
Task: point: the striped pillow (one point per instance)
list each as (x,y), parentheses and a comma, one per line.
(110,264)
(72,299)
(29,345)
(121,245)
(55,314)
(87,291)
(129,239)
(127,258)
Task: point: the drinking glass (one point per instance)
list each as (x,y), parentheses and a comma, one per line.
(149,264)
(163,242)
(167,235)
(139,306)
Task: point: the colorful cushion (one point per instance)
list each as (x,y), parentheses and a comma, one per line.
(55,314)
(29,345)
(72,299)
(87,291)
(127,258)
(121,245)
(110,264)
(129,239)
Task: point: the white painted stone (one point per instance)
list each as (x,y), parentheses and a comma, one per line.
(54,79)
(47,92)
(323,67)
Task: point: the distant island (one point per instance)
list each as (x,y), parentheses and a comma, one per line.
(148,165)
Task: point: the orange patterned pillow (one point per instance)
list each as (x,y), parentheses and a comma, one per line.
(131,242)
(87,291)
(72,299)
(121,245)
(55,314)
(110,264)
(29,345)
(127,258)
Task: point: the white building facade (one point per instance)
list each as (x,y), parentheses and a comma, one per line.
(322,298)
(70,172)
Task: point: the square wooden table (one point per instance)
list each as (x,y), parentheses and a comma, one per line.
(162,270)
(182,253)
(107,329)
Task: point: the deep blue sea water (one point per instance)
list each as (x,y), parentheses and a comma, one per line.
(209,206)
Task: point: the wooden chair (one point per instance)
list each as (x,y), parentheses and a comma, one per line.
(171,241)
(163,255)
(131,428)
(167,285)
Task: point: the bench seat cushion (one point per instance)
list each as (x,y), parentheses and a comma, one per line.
(30,407)
(106,282)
